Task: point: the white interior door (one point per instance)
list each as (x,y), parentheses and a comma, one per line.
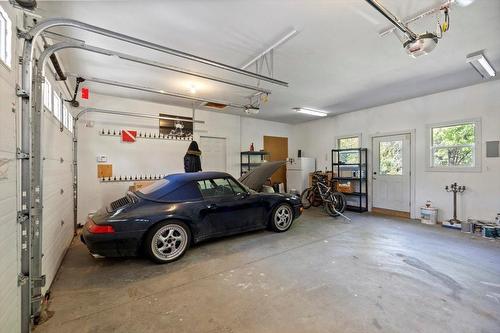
(391,172)
(213,153)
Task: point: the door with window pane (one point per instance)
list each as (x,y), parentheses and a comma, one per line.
(391,173)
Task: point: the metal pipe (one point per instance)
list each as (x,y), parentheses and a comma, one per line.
(57,67)
(270,48)
(175,69)
(393,19)
(131,114)
(55,61)
(99,50)
(158,91)
(152,63)
(419,16)
(57,22)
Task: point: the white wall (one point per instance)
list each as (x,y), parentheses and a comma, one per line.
(9,230)
(152,156)
(253,131)
(481,200)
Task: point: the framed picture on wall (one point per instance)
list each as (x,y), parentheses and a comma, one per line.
(177,127)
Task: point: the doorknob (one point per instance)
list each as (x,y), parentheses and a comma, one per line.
(211,206)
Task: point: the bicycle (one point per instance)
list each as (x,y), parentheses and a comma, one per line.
(333,202)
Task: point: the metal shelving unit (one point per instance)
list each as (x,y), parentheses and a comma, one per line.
(358,175)
(246,162)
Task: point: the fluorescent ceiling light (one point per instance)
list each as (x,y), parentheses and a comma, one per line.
(312,112)
(464,3)
(480,64)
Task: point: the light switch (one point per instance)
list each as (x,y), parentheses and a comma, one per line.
(102,158)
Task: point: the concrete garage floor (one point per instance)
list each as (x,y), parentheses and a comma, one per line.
(374,275)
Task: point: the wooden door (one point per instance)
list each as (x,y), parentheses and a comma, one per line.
(277,147)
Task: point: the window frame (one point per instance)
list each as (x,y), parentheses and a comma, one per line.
(347,136)
(65,115)
(57,113)
(71,121)
(356,135)
(47,94)
(6,37)
(477,146)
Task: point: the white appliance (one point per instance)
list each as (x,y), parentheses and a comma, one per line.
(297,173)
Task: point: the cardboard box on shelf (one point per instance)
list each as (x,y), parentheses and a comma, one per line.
(345,188)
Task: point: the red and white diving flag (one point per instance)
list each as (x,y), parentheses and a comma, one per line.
(129,136)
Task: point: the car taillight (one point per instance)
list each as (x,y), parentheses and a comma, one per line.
(99,229)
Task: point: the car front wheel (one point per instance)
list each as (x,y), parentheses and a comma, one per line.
(167,241)
(282,218)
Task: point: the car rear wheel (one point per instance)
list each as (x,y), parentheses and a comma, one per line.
(282,218)
(167,241)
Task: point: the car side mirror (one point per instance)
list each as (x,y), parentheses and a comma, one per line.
(243,195)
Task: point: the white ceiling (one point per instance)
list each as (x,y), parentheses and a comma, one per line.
(337,61)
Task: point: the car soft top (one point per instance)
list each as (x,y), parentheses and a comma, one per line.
(177,187)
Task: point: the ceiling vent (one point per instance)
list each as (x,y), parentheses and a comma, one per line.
(213,105)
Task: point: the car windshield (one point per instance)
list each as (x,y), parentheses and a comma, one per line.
(248,188)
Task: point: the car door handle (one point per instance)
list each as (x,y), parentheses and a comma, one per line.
(212,206)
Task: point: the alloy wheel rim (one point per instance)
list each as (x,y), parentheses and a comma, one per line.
(169,242)
(283,217)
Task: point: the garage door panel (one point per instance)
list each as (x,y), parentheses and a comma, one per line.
(58,206)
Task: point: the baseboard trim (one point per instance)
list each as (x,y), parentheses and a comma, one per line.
(390,212)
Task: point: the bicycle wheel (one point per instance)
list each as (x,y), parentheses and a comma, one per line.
(337,204)
(316,199)
(306,197)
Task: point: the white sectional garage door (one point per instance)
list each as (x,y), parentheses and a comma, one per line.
(57,196)
(10,312)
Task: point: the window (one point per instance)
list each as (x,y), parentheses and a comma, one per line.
(70,122)
(349,142)
(237,189)
(455,146)
(219,187)
(391,158)
(65,116)
(47,94)
(57,106)
(5,37)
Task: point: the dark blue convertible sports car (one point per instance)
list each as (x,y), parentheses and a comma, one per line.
(163,219)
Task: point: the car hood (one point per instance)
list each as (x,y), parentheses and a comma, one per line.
(258,176)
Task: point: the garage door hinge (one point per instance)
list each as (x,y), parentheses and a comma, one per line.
(21,155)
(21,92)
(23,34)
(39,282)
(22,217)
(21,279)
